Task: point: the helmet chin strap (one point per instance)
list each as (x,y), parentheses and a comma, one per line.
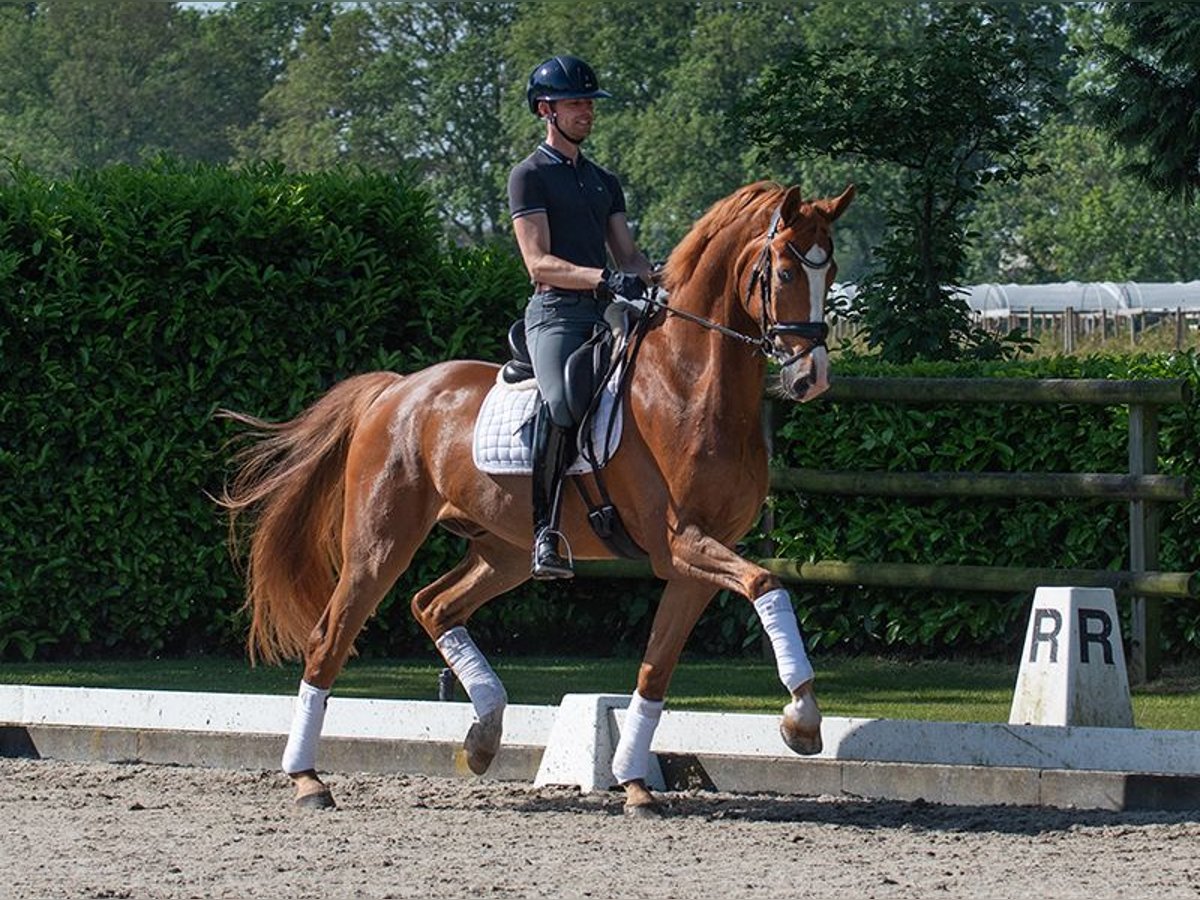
(554,121)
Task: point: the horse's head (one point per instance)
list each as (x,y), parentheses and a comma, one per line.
(787,285)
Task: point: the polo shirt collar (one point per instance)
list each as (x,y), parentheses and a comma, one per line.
(559,157)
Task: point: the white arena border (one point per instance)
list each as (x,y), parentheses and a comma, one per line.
(346,717)
(590,723)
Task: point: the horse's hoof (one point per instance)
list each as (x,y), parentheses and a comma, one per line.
(483,741)
(318,800)
(639,802)
(650,810)
(800,727)
(311,791)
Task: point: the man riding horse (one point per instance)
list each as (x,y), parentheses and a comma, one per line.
(343,495)
(566,211)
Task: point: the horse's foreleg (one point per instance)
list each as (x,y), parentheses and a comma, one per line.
(801,723)
(682,603)
(701,556)
(490,568)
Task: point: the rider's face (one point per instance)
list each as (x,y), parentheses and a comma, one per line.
(575,117)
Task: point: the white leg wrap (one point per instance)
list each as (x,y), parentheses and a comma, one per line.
(473,672)
(632,756)
(774,609)
(300,754)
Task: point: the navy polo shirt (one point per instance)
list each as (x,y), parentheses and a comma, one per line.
(577,198)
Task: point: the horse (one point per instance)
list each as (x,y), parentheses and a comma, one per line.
(338,499)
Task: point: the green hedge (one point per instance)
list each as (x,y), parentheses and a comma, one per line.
(134,302)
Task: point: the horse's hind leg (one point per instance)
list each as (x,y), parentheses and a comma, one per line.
(376,551)
(353,601)
(490,568)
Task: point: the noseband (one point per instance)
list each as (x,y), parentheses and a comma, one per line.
(814,332)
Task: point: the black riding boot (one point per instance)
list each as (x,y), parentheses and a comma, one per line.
(551,454)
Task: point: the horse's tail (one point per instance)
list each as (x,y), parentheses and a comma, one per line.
(290,480)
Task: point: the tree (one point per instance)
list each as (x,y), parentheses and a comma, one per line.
(215,76)
(1147,92)
(313,115)
(414,85)
(89,83)
(84,95)
(953,101)
(452,57)
(686,151)
(677,69)
(1078,219)
(25,73)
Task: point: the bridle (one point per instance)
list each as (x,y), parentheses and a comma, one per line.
(815,333)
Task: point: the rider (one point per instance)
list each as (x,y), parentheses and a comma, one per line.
(566,211)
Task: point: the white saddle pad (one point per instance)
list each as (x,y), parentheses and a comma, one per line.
(504,430)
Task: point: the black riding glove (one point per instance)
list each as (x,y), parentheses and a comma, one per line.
(623,284)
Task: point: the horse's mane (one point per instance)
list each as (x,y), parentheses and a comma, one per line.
(745,205)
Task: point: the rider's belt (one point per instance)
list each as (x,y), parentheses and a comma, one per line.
(547,289)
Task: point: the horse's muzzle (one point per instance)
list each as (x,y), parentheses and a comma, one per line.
(808,377)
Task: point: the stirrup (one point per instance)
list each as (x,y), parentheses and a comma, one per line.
(552,565)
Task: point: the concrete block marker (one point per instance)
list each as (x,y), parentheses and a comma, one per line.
(1073,664)
(579,750)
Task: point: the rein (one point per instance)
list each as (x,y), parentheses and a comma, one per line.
(757,342)
(815,332)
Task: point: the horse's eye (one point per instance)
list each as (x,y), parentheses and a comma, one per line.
(786,275)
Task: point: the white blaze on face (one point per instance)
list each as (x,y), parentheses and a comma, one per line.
(819,359)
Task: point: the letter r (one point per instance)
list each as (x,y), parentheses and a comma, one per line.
(1054,617)
(1102,636)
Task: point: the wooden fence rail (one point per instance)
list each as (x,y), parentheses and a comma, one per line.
(1141,487)
(940,577)
(1005,485)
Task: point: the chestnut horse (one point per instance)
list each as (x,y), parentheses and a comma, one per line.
(342,496)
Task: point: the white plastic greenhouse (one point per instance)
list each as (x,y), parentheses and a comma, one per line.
(1072,309)
(996,301)
(1115,298)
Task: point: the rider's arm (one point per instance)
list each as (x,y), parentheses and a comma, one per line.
(625,254)
(533,239)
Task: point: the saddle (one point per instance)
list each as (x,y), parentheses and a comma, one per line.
(588,368)
(586,374)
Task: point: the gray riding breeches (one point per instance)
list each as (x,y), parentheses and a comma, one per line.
(557,323)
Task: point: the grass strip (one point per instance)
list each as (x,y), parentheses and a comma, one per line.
(867,687)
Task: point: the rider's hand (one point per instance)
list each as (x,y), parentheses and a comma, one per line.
(624,284)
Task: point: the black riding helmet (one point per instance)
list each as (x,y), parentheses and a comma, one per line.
(562,78)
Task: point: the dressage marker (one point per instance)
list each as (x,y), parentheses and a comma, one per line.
(1073,663)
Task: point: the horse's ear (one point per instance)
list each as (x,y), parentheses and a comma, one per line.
(789,206)
(833,208)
